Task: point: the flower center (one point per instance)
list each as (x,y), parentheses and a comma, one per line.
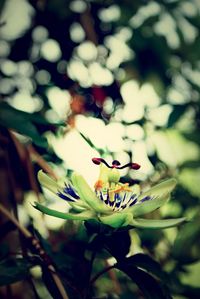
(109,176)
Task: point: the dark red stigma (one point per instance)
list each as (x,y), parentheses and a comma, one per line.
(96,161)
(115,164)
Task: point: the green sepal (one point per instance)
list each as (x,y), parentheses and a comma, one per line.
(86,215)
(87,195)
(47,182)
(165,187)
(156,224)
(116,219)
(149,206)
(56,187)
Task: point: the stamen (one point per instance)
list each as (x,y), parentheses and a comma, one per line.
(98,185)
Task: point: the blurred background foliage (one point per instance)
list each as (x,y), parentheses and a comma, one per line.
(120,79)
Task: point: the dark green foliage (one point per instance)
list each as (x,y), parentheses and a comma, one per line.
(149,264)
(150,288)
(177,113)
(13,270)
(24,123)
(186,246)
(20,122)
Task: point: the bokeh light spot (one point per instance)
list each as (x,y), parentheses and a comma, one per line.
(7,85)
(78,71)
(87,51)
(134,132)
(4,48)
(110,14)
(40,34)
(25,102)
(17,16)
(25,68)
(100,75)
(59,101)
(50,50)
(43,77)
(160,115)
(8,67)
(77,33)
(78,6)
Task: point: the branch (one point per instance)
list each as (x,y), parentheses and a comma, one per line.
(38,248)
(41,162)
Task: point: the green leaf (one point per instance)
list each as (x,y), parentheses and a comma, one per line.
(73,268)
(186,245)
(13,270)
(176,114)
(39,119)
(69,216)
(4,251)
(150,287)
(90,143)
(145,262)
(93,226)
(21,122)
(118,244)
(157,224)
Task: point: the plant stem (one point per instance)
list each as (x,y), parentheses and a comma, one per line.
(36,244)
(87,289)
(101,273)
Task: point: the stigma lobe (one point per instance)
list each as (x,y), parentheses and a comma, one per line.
(116,164)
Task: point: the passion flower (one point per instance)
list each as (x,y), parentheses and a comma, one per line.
(111,202)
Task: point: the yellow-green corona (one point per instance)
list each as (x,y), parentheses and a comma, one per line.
(111,202)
